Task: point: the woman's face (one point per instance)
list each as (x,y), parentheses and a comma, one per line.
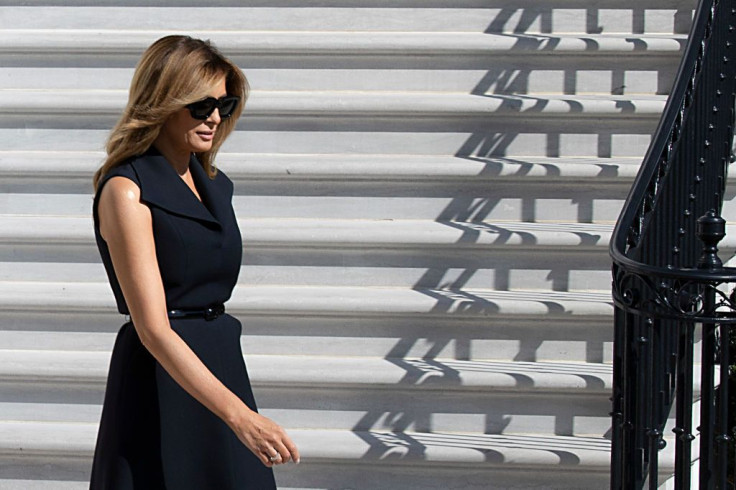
(184,134)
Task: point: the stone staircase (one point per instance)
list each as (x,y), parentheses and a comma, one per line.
(426,190)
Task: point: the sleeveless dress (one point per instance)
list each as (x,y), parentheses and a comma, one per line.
(153,435)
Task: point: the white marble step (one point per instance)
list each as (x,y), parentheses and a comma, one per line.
(333,372)
(41,484)
(522,73)
(410,460)
(326,321)
(77,102)
(435,395)
(457,62)
(367,122)
(565,202)
(244,18)
(362,234)
(505,338)
(555,136)
(333,301)
(652,17)
(436,448)
(508,412)
(359,269)
(411,254)
(242,42)
(61,167)
(520,338)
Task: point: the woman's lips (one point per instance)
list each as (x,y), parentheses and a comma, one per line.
(206,135)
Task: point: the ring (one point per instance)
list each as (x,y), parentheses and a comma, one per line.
(275,458)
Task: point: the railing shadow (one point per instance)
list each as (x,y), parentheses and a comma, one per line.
(470,216)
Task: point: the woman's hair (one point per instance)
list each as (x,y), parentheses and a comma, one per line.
(173,72)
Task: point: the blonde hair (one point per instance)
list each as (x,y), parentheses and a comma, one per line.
(173,72)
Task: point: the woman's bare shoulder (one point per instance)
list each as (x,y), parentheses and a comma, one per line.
(120,209)
(119,191)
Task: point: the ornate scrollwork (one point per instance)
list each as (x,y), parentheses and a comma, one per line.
(677,299)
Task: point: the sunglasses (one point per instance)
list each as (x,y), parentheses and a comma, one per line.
(204,108)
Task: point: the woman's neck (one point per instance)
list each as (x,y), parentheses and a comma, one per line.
(176,158)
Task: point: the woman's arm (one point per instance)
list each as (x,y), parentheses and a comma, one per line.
(126,226)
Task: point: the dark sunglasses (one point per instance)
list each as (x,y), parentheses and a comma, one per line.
(204,108)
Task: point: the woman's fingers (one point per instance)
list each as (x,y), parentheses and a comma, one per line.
(282,453)
(288,449)
(293,450)
(274,457)
(270,443)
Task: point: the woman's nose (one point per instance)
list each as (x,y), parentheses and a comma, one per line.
(215,116)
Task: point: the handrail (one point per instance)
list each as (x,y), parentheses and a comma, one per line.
(666,136)
(668,281)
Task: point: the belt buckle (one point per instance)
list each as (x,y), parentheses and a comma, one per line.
(210,314)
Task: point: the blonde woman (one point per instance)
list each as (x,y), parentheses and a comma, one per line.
(179,412)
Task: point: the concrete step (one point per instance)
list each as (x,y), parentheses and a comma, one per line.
(47,438)
(53,230)
(480,63)
(561,16)
(433,43)
(323,320)
(570,271)
(555,270)
(71,171)
(43,375)
(84,103)
(360,123)
(418,460)
(524,72)
(338,187)
(463,201)
(332,301)
(358,408)
(360,253)
(512,338)
(90,367)
(553,137)
(521,64)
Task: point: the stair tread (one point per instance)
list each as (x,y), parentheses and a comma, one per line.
(332,371)
(48,438)
(415,74)
(485,136)
(367,233)
(341,301)
(362,233)
(336,42)
(356,407)
(249,166)
(81,102)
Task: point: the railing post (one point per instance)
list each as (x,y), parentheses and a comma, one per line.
(684,407)
(723,437)
(711,229)
(617,416)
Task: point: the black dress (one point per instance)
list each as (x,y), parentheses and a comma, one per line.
(153,435)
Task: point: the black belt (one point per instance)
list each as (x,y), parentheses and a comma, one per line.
(209,313)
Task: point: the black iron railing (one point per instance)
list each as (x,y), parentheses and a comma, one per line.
(669,286)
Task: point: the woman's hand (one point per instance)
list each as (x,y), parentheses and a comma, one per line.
(265,438)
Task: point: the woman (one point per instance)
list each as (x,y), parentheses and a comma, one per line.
(179,412)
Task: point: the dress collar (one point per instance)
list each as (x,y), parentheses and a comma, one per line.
(161,186)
